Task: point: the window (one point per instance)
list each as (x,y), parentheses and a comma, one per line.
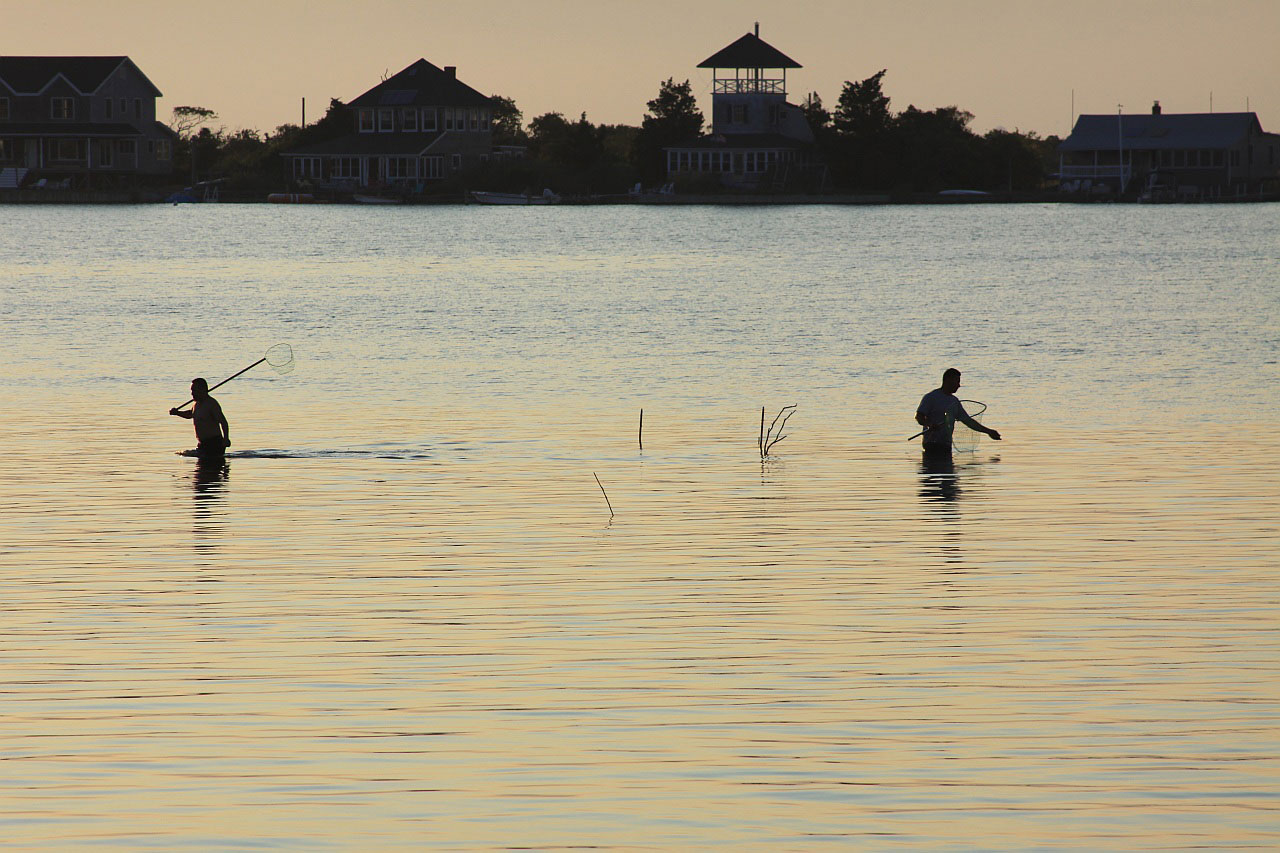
(105,152)
(409,120)
(448,119)
(124,106)
(429,118)
(62,108)
(109,104)
(457,162)
(366,121)
(128,147)
(68,149)
(164,151)
(345,167)
(137,108)
(431,167)
(401,167)
(306,167)
(386,121)
(475,119)
(739,114)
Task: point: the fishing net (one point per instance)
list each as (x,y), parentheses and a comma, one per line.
(280,358)
(963,438)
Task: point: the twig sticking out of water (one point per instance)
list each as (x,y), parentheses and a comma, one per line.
(603,492)
(640,434)
(768,438)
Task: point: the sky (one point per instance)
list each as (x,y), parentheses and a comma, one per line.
(1028,65)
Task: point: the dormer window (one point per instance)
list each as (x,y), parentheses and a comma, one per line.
(366,121)
(62,107)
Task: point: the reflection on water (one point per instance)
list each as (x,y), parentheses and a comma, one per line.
(208,488)
(416,624)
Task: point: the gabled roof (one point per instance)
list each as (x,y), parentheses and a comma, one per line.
(750,51)
(1165,131)
(421,84)
(30,75)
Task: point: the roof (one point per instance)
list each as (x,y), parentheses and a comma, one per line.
(422,84)
(365,144)
(718,141)
(1164,131)
(29,75)
(750,51)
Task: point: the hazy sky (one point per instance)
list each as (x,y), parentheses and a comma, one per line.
(1012,63)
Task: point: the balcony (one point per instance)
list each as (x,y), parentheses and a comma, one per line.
(748,86)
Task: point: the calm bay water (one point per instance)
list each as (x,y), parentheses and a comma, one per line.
(403,616)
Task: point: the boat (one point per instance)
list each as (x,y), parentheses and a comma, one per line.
(375,199)
(547,197)
(293,198)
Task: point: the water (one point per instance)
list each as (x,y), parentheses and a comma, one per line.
(403,616)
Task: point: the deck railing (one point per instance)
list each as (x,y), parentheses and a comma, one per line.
(747,86)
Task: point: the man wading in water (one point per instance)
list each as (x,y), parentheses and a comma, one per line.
(938,412)
(213,435)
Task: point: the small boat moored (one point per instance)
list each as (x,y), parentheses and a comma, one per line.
(547,197)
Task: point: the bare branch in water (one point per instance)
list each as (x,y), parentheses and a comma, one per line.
(768,438)
(603,492)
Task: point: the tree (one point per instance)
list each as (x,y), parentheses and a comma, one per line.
(863,109)
(186,119)
(673,118)
(507,122)
(818,117)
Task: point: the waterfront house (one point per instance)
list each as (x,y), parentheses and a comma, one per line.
(1185,155)
(84,122)
(757,138)
(418,126)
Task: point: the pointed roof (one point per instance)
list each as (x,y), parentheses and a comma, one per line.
(422,84)
(29,75)
(750,51)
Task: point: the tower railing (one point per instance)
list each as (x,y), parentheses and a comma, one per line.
(748,86)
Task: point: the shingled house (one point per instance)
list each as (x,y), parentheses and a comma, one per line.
(420,125)
(1186,155)
(79,121)
(756,136)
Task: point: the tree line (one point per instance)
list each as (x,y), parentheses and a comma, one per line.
(863,145)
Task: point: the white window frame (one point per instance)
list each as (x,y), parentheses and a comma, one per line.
(386,120)
(409,120)
(429,118)
(431,168)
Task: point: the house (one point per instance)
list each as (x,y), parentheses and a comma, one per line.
(756,136)
(422,124)
(82,121)
(1187,155)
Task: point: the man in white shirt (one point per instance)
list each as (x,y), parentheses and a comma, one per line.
(939,410)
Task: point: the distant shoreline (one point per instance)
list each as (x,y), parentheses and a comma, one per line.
(51,196)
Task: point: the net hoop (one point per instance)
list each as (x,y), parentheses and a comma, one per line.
(280,358)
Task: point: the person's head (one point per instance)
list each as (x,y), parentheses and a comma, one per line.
(199,388)
(951,380)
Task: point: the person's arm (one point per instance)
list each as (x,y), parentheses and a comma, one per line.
(183,413)
(963,417)
(226,428)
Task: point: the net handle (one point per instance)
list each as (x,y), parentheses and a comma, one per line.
(286,362)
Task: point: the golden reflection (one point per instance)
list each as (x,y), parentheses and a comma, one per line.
(208,488)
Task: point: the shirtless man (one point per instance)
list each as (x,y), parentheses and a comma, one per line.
(938,412)
(213,434)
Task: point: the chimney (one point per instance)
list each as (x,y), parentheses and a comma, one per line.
(757,29)
(451,70)
(1155,108)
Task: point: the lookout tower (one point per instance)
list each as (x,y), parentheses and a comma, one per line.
(757,139)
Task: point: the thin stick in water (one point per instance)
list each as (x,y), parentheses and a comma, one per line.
(640,434)
(603,492)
